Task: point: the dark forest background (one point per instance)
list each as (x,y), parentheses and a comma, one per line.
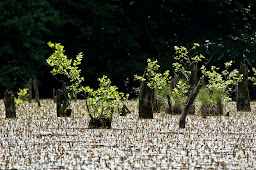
(117,36)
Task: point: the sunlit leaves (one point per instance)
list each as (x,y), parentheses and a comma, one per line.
(64,66)
(104,101)
(22,96)
(184,59)
(101,102)
(179,94)
(155,80)
(253,79)
(219,84)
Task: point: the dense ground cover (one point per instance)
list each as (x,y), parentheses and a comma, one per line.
(38,139)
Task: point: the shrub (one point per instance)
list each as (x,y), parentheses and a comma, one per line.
(156,80)
(219,85)
(104,101)
(101,103)
(22,96)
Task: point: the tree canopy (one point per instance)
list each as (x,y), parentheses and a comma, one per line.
(117,37)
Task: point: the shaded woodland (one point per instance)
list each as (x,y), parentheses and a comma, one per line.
(118,36)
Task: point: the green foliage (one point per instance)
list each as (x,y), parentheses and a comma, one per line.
(104,101)
(208,97)
(155,80)
(184,60)
(220,84)
(253,79)
(22,96)
(179,94)
(64,66)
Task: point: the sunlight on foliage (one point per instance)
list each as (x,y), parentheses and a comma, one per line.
(67,67)
(105,99)
(101,102)
(219,85)
(155,80)
(22,96)
(184,60)
(179,94)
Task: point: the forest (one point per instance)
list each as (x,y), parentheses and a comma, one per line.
(117,37)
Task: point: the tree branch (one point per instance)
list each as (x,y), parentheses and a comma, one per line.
(8,71)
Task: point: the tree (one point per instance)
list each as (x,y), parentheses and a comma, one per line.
(24,25)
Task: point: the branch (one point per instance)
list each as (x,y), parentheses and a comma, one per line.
(8,71)
(189,102)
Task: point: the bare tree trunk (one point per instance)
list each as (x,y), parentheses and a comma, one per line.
(169,109)
(189,102)
(29,86)
(192,82)
(243,97)
(146,99)
(62,104)
(10,109)
(36,92)
(173,82)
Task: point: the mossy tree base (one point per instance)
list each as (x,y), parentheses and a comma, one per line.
(36,91)
(100,123)
(9,102)
(243,97)
(62,104)
(212,109)
(146,99)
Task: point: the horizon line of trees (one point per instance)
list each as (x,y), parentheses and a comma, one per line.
(117,37)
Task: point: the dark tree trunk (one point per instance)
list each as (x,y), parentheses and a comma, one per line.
(189,102)
(29,86)
(169,108)
(243,97)
(172,109)
(62,104)
(159,104)
(124,110)
(9,102)
(36,92)
(146,99)
(173,82)
(54,95)
(192,82)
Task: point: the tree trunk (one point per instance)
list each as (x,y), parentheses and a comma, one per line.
(62,104)
(54,95)
(36,92)
(243,97)
(29,86)
(192,82)
(169,109)
(173,82)
(9,102)
(124,110)
(146,99)
(172,109)
(189,102)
